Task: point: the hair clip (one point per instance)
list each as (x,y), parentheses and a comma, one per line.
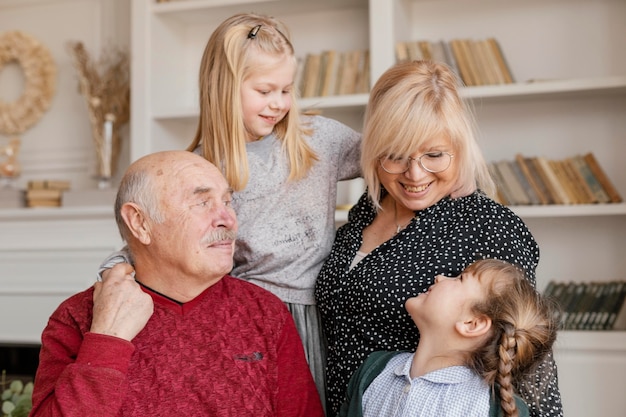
(254,31)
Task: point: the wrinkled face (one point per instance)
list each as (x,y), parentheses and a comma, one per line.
(417,188)
(266,94)
(447,301)
(197,237)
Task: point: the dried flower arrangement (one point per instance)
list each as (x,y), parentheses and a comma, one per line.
(105,85)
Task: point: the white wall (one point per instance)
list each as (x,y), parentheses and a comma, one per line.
(60,146)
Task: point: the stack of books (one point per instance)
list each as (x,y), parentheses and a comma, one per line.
(590,305)
(46,193)
(477,62)
(537,180)
(333,73)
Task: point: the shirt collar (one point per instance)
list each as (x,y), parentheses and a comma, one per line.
(449,375)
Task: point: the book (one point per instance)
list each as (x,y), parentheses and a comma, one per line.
(341,57)
(492,62)
(472,61)
(461,61)
(43,194)
(600,195)
(362,84)
(329,73)
(602,178)
(402,53)
(564,181)
(574,304)
(502,63)
(602,294)
(585,305)
(438,52)
(567,301)
(450,59)
(551,289)
(414,51)
(617,313)
(611,296)
(49,184)
(311,75)
(585,195)
(550,180)
(532,178)
(43,203)
(481,65)
(349,72)
(298,79)
(426,50)
(503,196)
(512,183)
(523,180)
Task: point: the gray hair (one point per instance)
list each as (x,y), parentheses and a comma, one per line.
(137,187)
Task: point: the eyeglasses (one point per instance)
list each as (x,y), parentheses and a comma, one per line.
(432,162)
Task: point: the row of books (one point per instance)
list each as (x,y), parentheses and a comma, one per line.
(538,180)
(45,193)
(333,73)
(590,305)
(477,62)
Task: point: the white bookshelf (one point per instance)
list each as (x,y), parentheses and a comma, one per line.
(573,51)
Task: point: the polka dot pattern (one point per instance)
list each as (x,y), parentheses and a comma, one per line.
(363,309)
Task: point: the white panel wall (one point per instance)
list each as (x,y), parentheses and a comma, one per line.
(59,146)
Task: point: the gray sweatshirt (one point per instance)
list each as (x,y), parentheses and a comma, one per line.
(286,229)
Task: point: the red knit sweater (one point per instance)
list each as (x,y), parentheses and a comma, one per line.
(232,351)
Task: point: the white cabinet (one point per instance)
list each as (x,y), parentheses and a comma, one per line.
(571,49)
(47,255)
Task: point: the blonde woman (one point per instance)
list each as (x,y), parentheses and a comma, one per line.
(426,212)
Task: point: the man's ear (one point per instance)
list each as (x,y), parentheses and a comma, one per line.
(474,326)
(136,222)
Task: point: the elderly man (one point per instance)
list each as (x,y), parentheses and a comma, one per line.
(180,337)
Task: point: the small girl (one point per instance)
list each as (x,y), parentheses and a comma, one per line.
(284,167)
(478,333)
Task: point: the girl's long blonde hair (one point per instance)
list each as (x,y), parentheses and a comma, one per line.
(226,63)
(523,330)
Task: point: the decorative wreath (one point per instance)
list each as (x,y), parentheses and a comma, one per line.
(40,79)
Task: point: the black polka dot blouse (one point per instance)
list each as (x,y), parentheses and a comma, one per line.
(363,309)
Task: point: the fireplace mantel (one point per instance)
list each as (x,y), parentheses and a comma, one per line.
(46,255)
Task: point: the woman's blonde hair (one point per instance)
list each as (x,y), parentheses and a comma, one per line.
(410,104)
(228,59)
(524,327)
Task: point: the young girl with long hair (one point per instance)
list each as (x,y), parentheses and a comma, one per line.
(479,333)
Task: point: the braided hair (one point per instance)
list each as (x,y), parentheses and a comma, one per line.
(524,328)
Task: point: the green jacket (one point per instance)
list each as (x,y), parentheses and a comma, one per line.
(374,365)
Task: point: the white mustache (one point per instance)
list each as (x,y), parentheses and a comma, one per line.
(219,235)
